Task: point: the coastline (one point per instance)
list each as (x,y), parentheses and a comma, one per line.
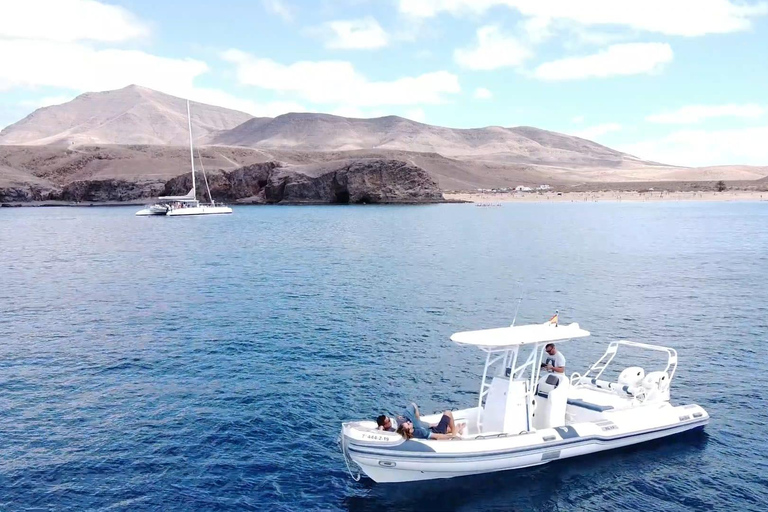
(606,196)
(485,199)
(84,204)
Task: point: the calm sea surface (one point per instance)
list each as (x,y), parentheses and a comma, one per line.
(206,363)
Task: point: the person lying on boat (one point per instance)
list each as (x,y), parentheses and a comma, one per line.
(386,423)
(554,361)
(410,425)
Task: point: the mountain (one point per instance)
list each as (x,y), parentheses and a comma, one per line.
(324,132)
(137,115)
(137,135)
(132,115)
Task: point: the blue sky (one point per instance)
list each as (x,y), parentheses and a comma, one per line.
(679,81)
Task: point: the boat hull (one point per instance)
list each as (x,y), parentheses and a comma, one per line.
(155,209)
(145,212)
(199,210)
(415,460)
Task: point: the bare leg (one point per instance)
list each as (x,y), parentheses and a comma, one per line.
(451,424)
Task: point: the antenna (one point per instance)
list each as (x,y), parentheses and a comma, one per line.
(517,308)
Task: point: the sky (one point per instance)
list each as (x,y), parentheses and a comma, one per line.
(677,81)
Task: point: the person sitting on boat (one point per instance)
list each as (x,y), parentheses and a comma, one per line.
(554,361)
(410,425)
(386,423)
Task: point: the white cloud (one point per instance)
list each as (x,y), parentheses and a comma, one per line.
(362,34)
(279,8)
(68,21)
(676,17)
(537,29)
(416,114)
(616,60)
(337,82)
(706,147)
(690,114)
(54,50)
(597,131)
(481,93)
(580,36)
(493,50)
(77,66)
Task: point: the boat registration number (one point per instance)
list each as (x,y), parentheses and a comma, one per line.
(375,437)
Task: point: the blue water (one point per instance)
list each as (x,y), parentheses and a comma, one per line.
(206,363)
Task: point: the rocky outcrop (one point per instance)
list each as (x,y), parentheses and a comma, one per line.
(358,181)
(341,182)
(105,191)
(22,193)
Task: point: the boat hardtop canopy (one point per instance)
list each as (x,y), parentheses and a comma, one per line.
(189,197)
(519,335)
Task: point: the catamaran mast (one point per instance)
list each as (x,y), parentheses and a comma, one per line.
(191,154)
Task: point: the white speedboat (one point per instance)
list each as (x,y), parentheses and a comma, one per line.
(525,416)
(177,206)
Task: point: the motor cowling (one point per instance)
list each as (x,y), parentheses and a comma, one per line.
(632,376)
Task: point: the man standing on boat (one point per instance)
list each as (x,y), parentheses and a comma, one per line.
(554,361)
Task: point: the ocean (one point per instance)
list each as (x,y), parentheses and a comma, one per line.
(207,363)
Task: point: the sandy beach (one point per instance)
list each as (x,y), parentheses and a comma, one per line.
(612,195)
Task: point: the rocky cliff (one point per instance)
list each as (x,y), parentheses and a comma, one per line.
(340,182)
(356,181)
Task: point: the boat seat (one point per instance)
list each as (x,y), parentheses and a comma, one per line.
(578,402)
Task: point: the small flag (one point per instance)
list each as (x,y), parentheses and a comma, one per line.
(554,319)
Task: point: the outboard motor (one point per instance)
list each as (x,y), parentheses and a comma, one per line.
(632,376)
(630,382)
(656,386)
(551,400)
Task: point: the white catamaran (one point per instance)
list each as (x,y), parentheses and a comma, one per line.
(176,206)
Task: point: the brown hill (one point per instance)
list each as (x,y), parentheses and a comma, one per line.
(139,135)
(132,115)
(324,132)
(137,115)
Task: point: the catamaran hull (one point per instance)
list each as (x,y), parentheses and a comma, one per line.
(199,210)
(428,460)
(152,210)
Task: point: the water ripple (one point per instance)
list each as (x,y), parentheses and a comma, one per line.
(206,364)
